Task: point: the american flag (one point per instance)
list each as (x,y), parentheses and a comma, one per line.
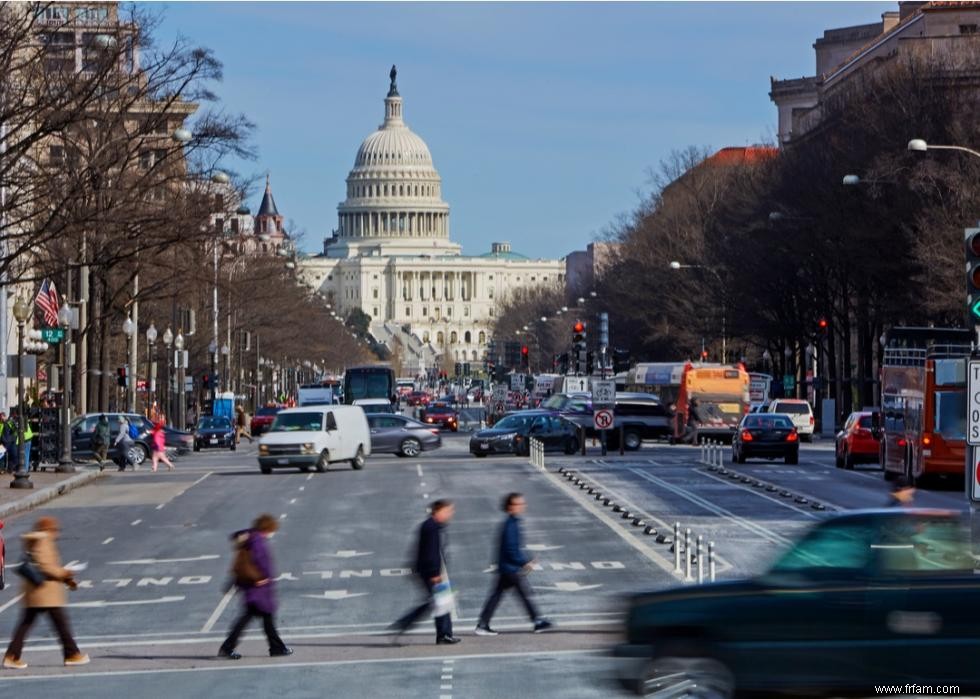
(47,303)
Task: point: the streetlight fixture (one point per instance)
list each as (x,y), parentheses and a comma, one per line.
(851,180)
(129,327)
(919,145)
(151,365)
(64,461)
(22,479)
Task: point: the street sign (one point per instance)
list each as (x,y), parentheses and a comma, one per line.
(52,335)
(789,383)
(973,406)
(500,393)
(517,382)
(603,392)
(603,419)
(576,384)
(973,474)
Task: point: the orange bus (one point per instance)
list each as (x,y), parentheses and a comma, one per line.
(711,402)
(922,424)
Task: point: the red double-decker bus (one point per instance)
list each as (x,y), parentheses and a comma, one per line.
(923,403)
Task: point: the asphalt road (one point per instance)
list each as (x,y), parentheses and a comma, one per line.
(151,609)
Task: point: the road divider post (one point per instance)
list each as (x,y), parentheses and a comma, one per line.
(687,554)
(677,547)
(700,560)
(711,561)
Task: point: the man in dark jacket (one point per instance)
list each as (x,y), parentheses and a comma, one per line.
(260,597)
(512,565)
(430,566)
(101,440)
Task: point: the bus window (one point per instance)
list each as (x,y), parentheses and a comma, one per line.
(950,416)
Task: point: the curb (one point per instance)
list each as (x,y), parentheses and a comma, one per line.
(42,496)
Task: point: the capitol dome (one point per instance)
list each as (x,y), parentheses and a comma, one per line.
(394,190)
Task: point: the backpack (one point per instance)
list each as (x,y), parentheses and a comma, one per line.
(134,431)
(243,569)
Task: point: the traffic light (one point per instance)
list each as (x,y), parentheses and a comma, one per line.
(822,324)
(525,357)
(704,355)
(578,333)
(621,360)
(973,275)
(206,381)
(121,376)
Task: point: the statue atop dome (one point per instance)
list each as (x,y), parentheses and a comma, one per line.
(393,90)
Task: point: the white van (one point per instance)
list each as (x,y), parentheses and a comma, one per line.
(316,436)
(799,412)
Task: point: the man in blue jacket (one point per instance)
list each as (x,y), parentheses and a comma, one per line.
(512,565)
(430,567)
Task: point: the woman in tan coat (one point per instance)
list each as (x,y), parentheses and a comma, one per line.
(49,596)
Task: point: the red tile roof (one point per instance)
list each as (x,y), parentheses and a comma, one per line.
(742,155)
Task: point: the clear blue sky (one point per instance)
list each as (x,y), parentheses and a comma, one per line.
(543,119)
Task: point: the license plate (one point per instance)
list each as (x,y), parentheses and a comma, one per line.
(282,462)
(484,445)
(214,440)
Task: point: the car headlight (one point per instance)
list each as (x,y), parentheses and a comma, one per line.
(506,437)
(263,449)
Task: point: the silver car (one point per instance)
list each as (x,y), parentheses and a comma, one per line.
(397,434)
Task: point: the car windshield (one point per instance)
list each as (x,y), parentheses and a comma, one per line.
(267,411)
(439,408)
(213,423)
(768,422)
(295,422)
(865,422)
(554,403)
(514,422)
(793,408)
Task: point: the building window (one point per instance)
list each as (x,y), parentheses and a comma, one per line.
(491,312)
(408,310)
(968,29)
(452,338)
(467,337)
(374,293)
(490,292)
(425,311)
(466,311)
(440,338)
(234,226)
(92,14)
(483,337)
(449,311)
(425,337)
(53,13)
(375,311)
(436,313)
(56,155)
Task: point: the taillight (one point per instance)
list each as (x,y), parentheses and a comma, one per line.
(926,440)
(746,436)
(434,431)
(745,409)
(792,436)
(902,442)
(811,419)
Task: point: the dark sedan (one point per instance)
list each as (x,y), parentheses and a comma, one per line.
(886,597)
(766,435)
(443,415)
(397,434)
(83,430)
(512,434)
(417,399)
(263,418)
(214,432)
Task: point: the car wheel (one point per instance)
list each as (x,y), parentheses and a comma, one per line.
(137,455)
(741,458)
(848,461)
(806,437)
(792,459)
(266,469)
(323,461)
(304,469)
(357,463)
(479,456)
(571,446)
(693,678)
(411,447)
(632,440)
(838,461)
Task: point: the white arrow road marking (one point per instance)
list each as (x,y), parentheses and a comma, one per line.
(567,587)
(541,547)
(348,554)
(103,603)
(336,594)
(150,561)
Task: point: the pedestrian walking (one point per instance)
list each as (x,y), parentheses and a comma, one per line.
(124,444)
(101,440)
(241,425)
(254,575)
(158,440)
(430,566)
(9,440)
(46,596)
(513,565)
(902,493)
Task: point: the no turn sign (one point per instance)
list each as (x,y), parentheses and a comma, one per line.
(603,419)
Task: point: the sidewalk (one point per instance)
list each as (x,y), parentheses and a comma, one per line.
(47,486)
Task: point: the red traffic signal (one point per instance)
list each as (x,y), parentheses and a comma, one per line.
(579,327)
(704,354)
(822,323)
(524,350)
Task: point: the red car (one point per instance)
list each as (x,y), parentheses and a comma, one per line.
(856,443)
(263,418)
(417,398)
(443,415)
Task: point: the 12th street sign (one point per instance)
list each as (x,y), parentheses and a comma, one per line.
(52,335)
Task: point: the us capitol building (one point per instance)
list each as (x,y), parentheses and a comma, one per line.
(391,256)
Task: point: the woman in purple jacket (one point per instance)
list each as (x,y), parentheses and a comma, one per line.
(260,596)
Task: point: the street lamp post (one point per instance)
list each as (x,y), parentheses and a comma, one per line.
(226,380)
(64,461)
(129,327)
(168,338)
(181,396)
(724,306)
(213,357)
(151,365)
(22,479)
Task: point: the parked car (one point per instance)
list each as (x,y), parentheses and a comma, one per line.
(83,430)
(640,415)
(376,405)
(861,596)
(316,436)
(856,442)
(512,434)
(397,434)
(799,412)
(766,435)
(417,399)
(263,419)
(214,432)
(441,414)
